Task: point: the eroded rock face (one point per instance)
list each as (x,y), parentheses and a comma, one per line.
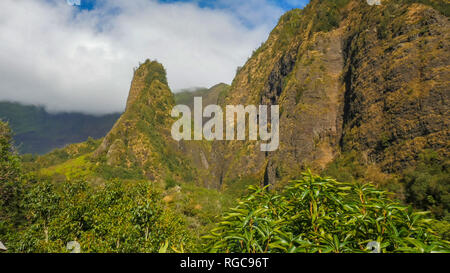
(305,82)
(397,89)
(377,83)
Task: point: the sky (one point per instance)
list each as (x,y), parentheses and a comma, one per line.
(80,58)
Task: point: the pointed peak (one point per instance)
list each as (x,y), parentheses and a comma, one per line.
(146,75)
(152,70)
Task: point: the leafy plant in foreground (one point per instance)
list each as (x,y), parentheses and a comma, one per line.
(316,214)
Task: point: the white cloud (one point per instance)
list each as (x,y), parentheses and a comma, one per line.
(52,55)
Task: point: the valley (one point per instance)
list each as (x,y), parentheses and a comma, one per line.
(363,150)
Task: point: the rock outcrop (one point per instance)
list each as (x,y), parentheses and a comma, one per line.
(141,138)
(348,76)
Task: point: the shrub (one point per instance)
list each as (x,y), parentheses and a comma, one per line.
(117,217)
(428,184)
(10,179)
(316,214)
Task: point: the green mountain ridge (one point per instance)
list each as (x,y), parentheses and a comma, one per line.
(38,132)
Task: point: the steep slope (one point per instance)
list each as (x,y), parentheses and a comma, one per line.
(203,155)
(361,88)
(141,138)
(397,84)
(38,132)
(348,77)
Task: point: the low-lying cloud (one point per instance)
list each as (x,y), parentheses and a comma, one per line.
(55,55)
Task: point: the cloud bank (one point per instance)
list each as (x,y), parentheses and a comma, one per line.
(67,59)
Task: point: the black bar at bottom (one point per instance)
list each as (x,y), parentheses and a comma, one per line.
(218,262)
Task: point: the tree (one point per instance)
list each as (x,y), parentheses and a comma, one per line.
(10,180)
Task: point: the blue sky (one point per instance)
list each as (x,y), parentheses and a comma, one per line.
(71,58)
(284,5)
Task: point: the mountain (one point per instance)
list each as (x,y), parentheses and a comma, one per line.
(141,137)
(350,79)
(38,132)
(363,96)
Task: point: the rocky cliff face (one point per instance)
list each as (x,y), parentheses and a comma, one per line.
(397,88)
(348,76)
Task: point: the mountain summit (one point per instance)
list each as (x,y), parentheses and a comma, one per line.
(141,138)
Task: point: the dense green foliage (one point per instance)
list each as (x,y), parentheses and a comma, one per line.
(36,131)
(10,181)
(324,15)
(425,185)
(37,215)
(312,214)
(428,185)
(136,192)
(330,14)
(113,218)
(58,156)
(317,214)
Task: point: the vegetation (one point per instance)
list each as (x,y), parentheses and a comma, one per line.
(440,5)
(213,95)
(186,97)
(428,185)
(41,213)
(114,218)
(312,214)
(137,190)
(157,72)
(59,156)
(317,214)
(425,185)
(10,181)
